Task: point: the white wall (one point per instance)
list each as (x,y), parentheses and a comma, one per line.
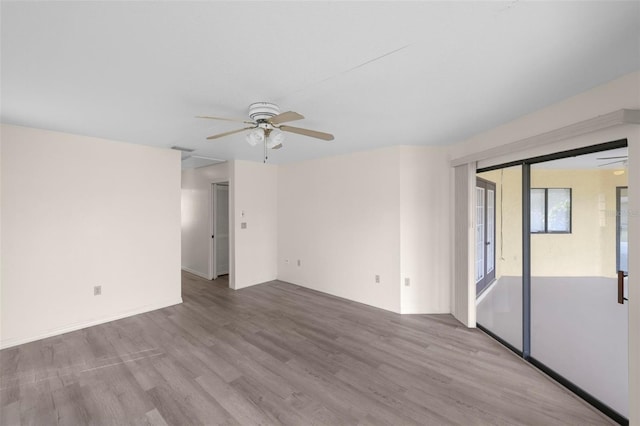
(341,217)
(424,230)
(79,212)
(196,216)
(254,200)
(352,217)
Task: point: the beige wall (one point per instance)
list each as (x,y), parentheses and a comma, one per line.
(508,220)
(590,248)
(79,212)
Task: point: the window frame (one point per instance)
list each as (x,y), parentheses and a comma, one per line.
(546,212)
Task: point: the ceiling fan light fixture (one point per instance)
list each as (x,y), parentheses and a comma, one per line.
(255,137)
(275,139)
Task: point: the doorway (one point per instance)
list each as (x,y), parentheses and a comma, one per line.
(219,249)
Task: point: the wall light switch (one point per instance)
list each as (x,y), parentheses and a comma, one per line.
(407,282)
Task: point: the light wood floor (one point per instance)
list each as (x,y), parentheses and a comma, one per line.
(277,354)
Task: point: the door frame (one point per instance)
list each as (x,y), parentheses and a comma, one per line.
(213,201)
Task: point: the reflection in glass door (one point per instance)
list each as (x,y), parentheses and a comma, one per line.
(577,244)
(622,229)
(485,233)
(499,250)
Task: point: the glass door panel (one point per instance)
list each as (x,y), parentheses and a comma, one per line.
(499,305)
(578,330)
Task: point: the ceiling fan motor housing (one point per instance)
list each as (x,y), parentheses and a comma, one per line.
(263,110)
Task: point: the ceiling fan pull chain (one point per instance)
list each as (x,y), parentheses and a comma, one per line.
(265,151)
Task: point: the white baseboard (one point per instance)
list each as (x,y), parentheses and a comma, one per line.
(194,272)
(78,326)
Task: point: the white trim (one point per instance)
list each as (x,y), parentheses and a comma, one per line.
(212,196)
(634,272)
(606,121)
(212,231)
(464,289)
(4,344)
(194,272)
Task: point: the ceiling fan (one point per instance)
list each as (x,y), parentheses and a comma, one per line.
(622,159)
(618,159)
(266,125)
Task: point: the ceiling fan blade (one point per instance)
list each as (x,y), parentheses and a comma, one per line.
(612,158)
(236,120)
(307,132)
(613,162)
(285,117)
(220,135)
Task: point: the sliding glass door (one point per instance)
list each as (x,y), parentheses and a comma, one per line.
(558,294)
(578,243)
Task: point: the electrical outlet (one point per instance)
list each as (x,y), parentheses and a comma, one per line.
(407,282)
(377,278)
(97,290)
(299,262)
(286,261)
(243,225)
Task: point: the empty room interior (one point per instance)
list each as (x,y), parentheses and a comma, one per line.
(320,213)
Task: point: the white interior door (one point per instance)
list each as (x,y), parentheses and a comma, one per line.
(221,229)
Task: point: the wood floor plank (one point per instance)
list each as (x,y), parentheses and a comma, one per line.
(273,354)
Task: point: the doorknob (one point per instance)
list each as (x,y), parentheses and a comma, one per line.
(621,297)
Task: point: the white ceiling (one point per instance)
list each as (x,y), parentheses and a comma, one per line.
(372,73)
